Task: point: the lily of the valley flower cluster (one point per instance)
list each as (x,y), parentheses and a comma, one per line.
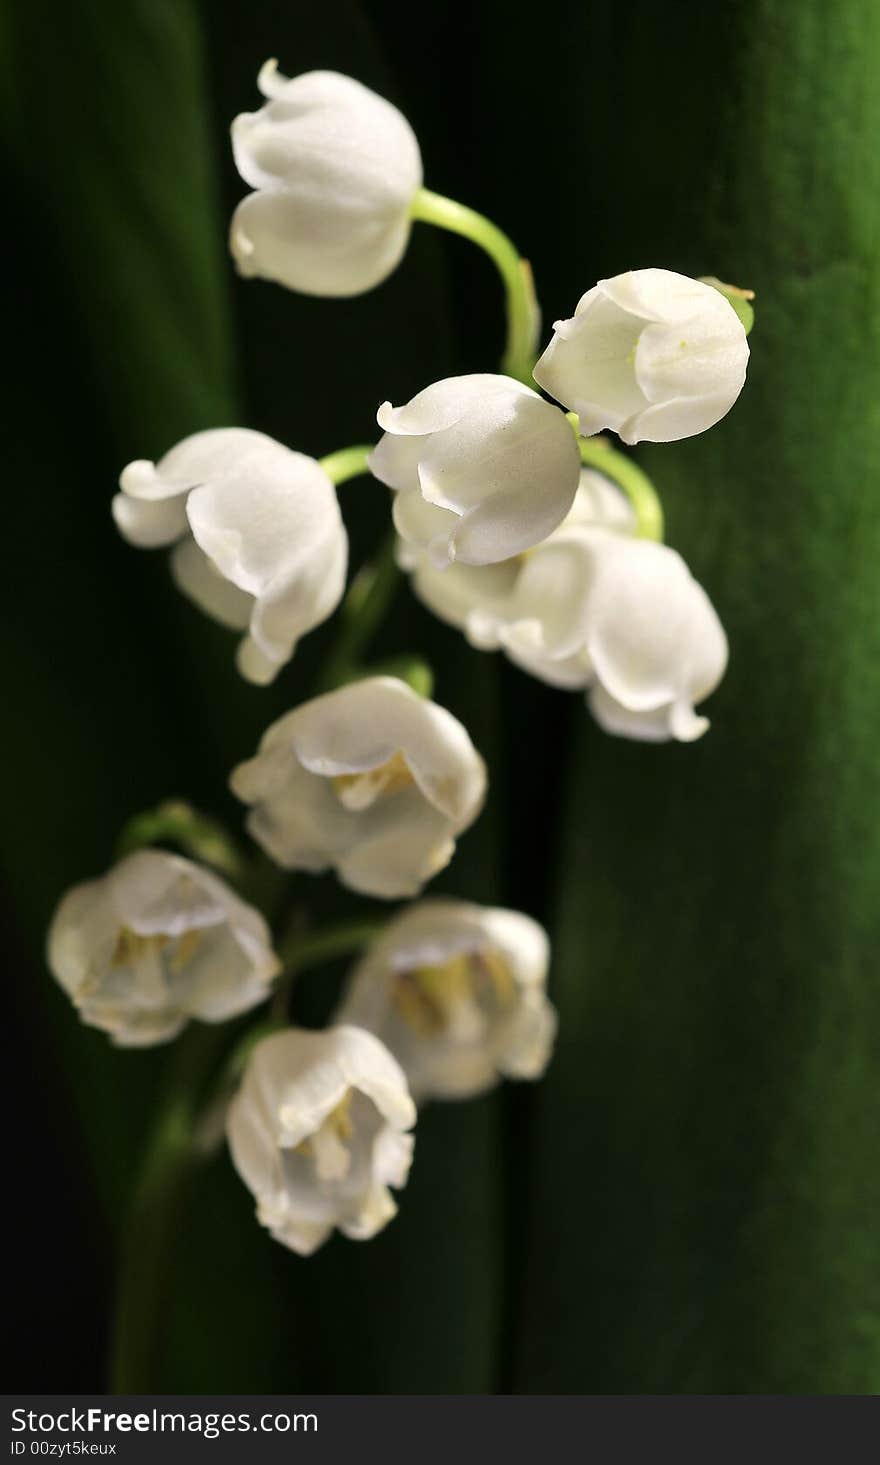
(505,536)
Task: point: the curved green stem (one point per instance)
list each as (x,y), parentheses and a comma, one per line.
(362,611)
(141,1295)
(177,822)
(302,951)
(597,453)
(347,463)
(523,314)
(299,952)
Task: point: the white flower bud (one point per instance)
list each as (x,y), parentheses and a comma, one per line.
(317,1132)
(259,541)
(335,168)
(154,942)
(371,780)
(654,641)
(651,354)
(457,992)
(482,467)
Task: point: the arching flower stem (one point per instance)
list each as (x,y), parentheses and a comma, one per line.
(597,452)
(523,313)
(196,834)
(148,1235)
(347,463)
(360,615)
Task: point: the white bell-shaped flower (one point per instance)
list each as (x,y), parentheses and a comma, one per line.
(593,607)
(651,354)
(457,992)
(335,169)
(533,606)
(482,467)
(371,780)
(259,542)
(654,642)
(317,1132)
(154,942)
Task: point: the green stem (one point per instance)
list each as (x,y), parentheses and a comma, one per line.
(362,611)
(176,822)
(347,463)
(301,952)
(141,1298)
(597,453)
(523,314)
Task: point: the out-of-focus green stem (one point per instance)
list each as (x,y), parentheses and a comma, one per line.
(523,314)
(179,823)
(597,453)
(298,952)
(302,951)
(147,1241)
(347,463)
(173,1151)
(362,611)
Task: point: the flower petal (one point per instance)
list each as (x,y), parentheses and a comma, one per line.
(326,138)
(362,725)
(197,576)
(588,365)
(275,237)
(445,402)
(150,525)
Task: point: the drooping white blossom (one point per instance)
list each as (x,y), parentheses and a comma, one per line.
(532,606)
(334,169)
(654,642)
(593,607)
(318,1133)
(653,355)
(457,992)
(259,542)
(370,780)
(154,942)
(482,468)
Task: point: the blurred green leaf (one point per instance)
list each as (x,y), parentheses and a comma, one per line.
(704,1185)
(124,345)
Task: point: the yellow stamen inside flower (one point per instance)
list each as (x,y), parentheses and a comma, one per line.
(359,790)
(427,997)
(131,947)
(328,1146)
(185,948)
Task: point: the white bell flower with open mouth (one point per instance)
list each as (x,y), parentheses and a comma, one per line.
(533,605)
(457,992)
(653,355)
(482,468)
(654,642)
(259,542)
(318,1133)
(370,780)
(154,942)
(335,169)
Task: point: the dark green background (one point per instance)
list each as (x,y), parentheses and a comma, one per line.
(690,1201)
